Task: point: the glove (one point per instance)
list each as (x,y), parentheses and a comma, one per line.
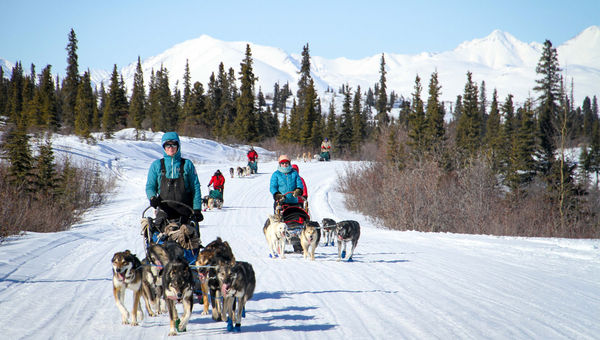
(297,192)
(278,196)
(198,216)
(155,201)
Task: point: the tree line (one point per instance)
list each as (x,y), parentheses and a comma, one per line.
(521,143)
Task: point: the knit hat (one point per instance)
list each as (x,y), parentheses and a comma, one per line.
(284,158)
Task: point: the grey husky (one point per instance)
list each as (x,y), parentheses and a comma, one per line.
(237,286)
(347,232)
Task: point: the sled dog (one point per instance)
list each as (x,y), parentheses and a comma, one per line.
(305,157)
(127,274)
(158,256)
(328,230)
(309,238)
(347,232)
(178,284)
(240,171)
(152,288)
(275,231)
(205,202)
(247,171)
(237,282)
(231,172)
(216,253)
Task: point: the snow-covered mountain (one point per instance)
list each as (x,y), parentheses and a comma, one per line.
(501,60)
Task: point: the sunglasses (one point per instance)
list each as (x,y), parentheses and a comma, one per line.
(170,146)
(285,163)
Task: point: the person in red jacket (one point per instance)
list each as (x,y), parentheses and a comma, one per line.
(217,181)
(252,160)
(304,190)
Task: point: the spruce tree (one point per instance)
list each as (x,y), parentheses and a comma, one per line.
(417,127)
(359,123)
(45,172)
(588,117)
(15,94)
(70,84)
(382,116)
(468,132)
(343,139)
(137,107)
(18,152)
(85,104)
(493,140)
(245,123)
(548,87)
(330,125)
(434,116)
(522,168)
(48,100)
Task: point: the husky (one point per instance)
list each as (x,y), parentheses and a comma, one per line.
(231,172)
(158,256)
(309,238)
(247,171)
(205,202)
(127,274)
(178,284)
(328,230)
(275,231)
(237,282)
(152,288)
(240,171)
(347,231)
(214,254)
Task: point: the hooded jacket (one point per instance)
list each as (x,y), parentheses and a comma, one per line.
(172,165)
(285,182)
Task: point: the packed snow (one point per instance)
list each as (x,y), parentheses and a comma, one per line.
(401,285)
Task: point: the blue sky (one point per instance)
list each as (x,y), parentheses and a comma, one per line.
(117,32)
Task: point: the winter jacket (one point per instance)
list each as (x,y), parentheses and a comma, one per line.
(285,182)
(217,181)
(326,146)
(172,165)
(252,155)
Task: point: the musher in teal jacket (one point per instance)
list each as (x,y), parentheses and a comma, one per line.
(168,181)
(284,180)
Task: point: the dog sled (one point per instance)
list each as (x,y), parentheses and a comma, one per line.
(294,216)
(324,156)
(186,235)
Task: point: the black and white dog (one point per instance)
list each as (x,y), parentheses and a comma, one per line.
(237,286)
(328,230)
(347,231)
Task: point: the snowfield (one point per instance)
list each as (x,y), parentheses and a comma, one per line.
(401,285)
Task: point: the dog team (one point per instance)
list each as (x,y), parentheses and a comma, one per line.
(347,232)
(165,278)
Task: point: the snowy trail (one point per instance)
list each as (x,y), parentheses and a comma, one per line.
(405,285)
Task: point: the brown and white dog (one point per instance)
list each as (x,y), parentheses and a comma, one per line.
(275,233)
(127,274)
(216,253)
(240,171)
(309,238)
(328,231)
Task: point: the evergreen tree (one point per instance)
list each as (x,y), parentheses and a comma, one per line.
(102,99)
(310,118)
(137,108)
(18,153)
(548,87)
(15,94)
(521,169)
(284,131)
(187,87)
(330,125)
(45,172)
(588,117)
(382,116)
(359,123)
(245,123)
(85,105)
(593,158)
(493,139)
(3,92)
(160,102)
(48,101)
(483,108)
(70,84)
(468,132)
(395,150)
(434,116)
(417,127)
(458,108)
(343,139)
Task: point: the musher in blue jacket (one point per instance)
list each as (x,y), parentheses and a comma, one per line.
(168,180)
(284,180)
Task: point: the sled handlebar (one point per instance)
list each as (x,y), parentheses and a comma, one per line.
(170,201)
